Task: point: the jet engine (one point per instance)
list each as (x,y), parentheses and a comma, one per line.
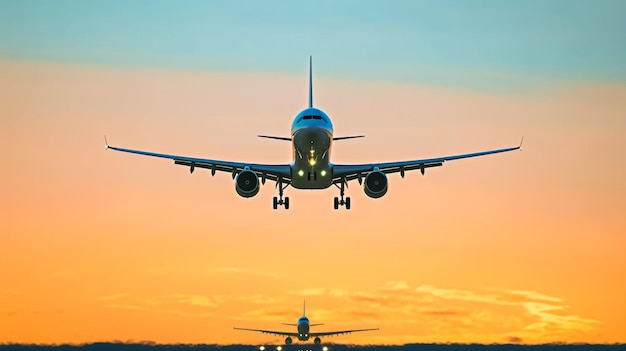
(288,341)
(247,183)
(375,184)
(317,341)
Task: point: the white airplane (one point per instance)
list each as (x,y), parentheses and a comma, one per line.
(303,333)
(311,140)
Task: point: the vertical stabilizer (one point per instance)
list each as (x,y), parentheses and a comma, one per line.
(304,308)
(310,81)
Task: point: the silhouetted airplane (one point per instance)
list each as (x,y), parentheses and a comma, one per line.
(311,139)
(303,333)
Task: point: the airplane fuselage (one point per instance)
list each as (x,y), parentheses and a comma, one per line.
(312,137)
(303,328)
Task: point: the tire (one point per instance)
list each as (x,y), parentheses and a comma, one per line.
(275,202)
(286,203)
(336,203)
(347,203)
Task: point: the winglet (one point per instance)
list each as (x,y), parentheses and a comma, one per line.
(106,144)
(311,81)
(520,143)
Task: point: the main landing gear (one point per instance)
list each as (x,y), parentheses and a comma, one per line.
(340,201)
(279,201)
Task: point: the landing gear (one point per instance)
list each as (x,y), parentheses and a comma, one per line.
(339,201)
(279,201)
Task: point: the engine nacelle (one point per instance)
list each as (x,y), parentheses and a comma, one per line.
(317,341)
(247,183)
(288,341)
(375,184)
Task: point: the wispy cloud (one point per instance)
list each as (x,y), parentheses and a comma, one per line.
(198,300)
(534,295)
(528,315)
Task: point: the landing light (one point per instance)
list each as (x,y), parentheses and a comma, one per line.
(325,348)
(323,173)
(279,348)
(262,348)
(300,173)
(312,162)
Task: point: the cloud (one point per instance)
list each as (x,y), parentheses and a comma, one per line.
(514,339)
(197,300)
(456,294)
(534,295)
(259,299)
(529,314)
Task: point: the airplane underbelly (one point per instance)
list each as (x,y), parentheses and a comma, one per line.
(311,168)
(307,177)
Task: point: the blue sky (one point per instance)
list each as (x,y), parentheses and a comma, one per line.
(471,43)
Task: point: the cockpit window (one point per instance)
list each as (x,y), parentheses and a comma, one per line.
(313,117)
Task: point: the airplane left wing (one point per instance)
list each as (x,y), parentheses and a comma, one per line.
(265,171)
(339,332)
(345,173)
(273,332)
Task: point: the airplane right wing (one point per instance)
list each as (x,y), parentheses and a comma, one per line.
(348,172)
(338,332)
(273,332)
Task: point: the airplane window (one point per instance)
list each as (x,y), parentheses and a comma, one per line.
(307,117)
(317,117)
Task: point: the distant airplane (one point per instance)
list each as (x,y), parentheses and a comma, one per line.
(311,140)
(303,333)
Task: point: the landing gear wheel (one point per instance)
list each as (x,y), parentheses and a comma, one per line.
(347,203)
(336,203)
(286,203)
(275,203)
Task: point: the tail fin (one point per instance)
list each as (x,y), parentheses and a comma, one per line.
(304,308)
(310,81)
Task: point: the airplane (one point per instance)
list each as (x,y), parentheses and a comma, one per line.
(311,141)
(303,334)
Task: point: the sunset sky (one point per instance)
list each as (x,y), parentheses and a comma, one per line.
(527,246)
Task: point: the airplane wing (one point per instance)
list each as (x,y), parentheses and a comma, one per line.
(338,332)
(273,332)
(274,172)
(345,173)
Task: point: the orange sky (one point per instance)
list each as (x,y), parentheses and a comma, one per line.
(98,245)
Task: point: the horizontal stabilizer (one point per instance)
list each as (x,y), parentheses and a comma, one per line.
(348,137)
(292,324)
(274,137)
